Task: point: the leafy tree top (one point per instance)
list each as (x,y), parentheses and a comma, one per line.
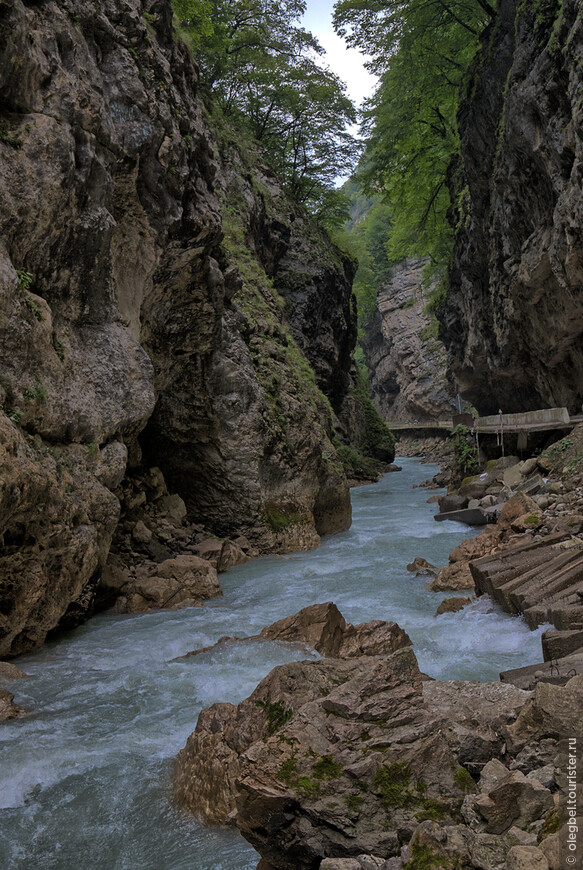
(265,70)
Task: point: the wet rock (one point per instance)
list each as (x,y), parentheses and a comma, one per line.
(452,502)
(452,605)
(539,578)
(10,672)
(8,709)
(184,581)
(221,554)
(453,577)
(328,757)
(421,566)
(323,628)
(320,626)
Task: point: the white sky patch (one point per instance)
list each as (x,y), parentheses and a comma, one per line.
(347,63)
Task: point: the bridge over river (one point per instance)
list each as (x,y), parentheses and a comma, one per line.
(517,431)
(546,420)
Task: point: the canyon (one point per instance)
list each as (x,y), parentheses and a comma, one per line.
(179,395)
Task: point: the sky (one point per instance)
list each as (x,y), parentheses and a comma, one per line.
(345,62)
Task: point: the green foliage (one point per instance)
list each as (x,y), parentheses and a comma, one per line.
(36,393)
(263,69)
(464,780)
(378,440)
(306,787)
(553,822)
(33,305)
(365,236)
(465,450)
(354,802)
(556,450)
(434,810)
(424,858)
(8,138)
(288,772)
(356,464)
(421,51)
(276,714)
(59,347)
(277,519)
(15,416)
(25,279)
(327,768)
(393,782)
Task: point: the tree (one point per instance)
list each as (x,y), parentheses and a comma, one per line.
(421,50)
(264,69)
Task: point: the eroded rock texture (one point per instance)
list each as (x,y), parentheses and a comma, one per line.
(140,325)
(406,360)
(513,319)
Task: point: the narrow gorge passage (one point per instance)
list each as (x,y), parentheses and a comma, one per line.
(88,771)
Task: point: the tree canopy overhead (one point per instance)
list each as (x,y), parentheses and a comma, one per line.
(421,50)
(265,70)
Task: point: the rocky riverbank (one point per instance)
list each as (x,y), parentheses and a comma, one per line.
(363,762)
(371,764)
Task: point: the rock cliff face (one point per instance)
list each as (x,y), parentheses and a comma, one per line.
(513,319)
(141,324)
(405,358)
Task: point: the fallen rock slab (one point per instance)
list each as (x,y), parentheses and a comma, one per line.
(541,579)
(516,800)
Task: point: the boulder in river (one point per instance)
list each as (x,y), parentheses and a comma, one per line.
(340,759)
(422,567)
(452,605)
(207,769)
(8,709)
(184,581)
(323,628)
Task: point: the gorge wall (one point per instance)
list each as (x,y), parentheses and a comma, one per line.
(513,319)
(164,305)
(406,360)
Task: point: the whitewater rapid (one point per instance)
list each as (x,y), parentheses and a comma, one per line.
(85,777)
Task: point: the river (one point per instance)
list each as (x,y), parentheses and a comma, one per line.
(85,777)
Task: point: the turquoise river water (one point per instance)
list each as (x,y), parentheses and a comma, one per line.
(85,777)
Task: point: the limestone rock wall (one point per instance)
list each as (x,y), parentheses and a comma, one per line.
(140,322)
(513,319)
(406,360)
